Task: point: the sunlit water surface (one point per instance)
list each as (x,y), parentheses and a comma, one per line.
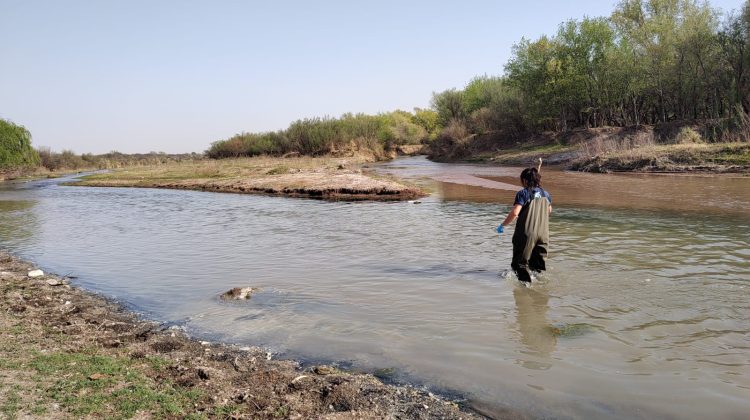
(644,312)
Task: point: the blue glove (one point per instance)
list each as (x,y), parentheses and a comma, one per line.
(500,229)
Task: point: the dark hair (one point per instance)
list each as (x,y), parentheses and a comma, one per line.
(531,178)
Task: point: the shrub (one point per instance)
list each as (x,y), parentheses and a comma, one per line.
(482,120)
(427,119)
(317,136)
(398,128)
(449,106)
(687,135)
(231,147)
(456,130)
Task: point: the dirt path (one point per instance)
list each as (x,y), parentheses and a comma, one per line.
(67,353)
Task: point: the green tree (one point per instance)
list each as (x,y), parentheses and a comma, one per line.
(449,105)
(427,119)
(15,147)
(734,39)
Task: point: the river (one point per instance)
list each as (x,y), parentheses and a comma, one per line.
(643,313)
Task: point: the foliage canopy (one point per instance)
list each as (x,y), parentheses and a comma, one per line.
(15,147)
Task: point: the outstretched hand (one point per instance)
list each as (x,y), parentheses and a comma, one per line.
(500,229)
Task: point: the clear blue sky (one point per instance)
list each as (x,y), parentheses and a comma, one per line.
(173,76)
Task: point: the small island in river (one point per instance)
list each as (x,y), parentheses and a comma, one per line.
(312,177)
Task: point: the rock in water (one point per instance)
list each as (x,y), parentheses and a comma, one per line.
(325,370)
(36,273)
(238,293)
(55,282)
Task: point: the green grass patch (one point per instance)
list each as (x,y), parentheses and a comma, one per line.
(546,148)
(10,364)
(158,364)
(733,155)
(224,411)
(278,170)
(281,412)
(11,403)
(87,383)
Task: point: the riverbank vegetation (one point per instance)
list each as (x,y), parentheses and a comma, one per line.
(650,62)
(68,160)
(654,72)
(18,158)
(667,65)
(374,135)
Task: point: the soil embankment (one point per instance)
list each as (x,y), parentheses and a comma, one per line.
(675,158)
(326,178)
(661,148)
(66,353)
(26,173)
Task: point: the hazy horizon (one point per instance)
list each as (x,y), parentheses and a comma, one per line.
(174,76)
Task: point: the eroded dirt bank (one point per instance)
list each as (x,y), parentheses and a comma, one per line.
(67,353)
(662,148)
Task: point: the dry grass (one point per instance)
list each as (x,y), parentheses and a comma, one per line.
(527,156)
(603,144)
(319,177)
(228,168)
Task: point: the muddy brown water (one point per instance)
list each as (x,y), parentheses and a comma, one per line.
(644,312)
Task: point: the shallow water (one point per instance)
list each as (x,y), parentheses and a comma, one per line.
(643,313)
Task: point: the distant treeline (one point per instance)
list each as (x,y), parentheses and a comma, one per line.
(318,136)
(650,62)
(17,155)
(69,160)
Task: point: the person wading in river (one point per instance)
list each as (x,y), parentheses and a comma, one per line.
(532,207)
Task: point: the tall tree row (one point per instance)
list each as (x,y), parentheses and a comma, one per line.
(651,61)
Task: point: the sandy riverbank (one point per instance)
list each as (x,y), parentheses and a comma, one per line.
(67,353)
(323,177)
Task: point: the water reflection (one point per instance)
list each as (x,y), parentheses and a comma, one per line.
(532,305)
(17,220)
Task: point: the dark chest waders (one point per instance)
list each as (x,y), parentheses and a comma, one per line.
(531,238)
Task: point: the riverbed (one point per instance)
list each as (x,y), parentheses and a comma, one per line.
(643,313)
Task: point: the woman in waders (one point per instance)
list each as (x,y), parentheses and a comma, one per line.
(531,238)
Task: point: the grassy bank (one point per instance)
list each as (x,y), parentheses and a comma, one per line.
(314,177)
(65,353)
(526,155)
